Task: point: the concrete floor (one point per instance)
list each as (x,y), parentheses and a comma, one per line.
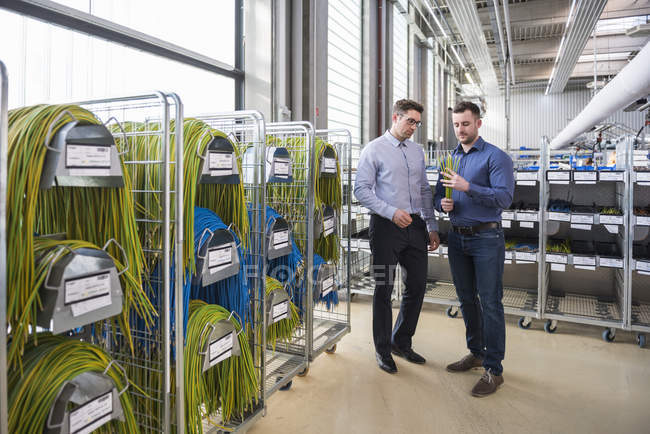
(568,382)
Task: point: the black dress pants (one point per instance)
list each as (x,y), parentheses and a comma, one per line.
(391,245)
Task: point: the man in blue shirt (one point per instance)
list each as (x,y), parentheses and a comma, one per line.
(391,182)
(482,188)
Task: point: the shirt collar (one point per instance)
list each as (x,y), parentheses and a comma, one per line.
(479,146)
(392,139)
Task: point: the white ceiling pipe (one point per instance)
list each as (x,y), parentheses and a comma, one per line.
(630,84)
(506,21)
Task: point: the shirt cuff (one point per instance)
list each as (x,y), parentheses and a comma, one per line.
(388,212)
(432,225)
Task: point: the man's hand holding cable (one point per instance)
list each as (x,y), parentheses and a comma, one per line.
(453,180)
(434,241)
(401,218)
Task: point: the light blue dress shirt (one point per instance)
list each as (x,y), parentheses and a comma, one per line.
(392,175)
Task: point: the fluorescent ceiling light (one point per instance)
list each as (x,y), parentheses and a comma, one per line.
(615,26)
(604,57)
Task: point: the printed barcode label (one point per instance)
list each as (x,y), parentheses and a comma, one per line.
(527,176)
(91,415)
(557,259)
(526,256)
(642,220)
(219,258)
(559,216)
(220,163)
(527,216)
(611,176)
(611,219)
(508,215)
(328,226)
(585,176)
(611,262)
(558,175)
(221,349)
(558,267)
(584,219)
(643,265)
(529,225)
(87,156)
(280,311)
(643,176)
(328,285)
(581,227)
(86,294)
(506,223)
(508,255)
(586,267)
(280,239)
(281,167)
(584,260)
(329,165)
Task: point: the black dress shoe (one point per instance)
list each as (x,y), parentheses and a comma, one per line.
(386,363)
(408,354)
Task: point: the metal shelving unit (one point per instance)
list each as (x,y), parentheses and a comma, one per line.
(639,243)
(291,359)
(247,129)
(589,284)
(155,354)
(330,325)
(4,88)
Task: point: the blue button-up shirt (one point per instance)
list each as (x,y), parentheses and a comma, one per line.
(490,174)
(392,175)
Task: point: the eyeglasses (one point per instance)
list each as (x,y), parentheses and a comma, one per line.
(412,121)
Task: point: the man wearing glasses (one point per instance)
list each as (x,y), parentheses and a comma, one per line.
(392,183)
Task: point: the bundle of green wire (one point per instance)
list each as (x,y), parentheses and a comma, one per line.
(282,330)
(327,191)
(447,163)
(230,386)
(47,366)
(93,214)
(227,200)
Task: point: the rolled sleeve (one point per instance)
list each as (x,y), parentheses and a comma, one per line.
(365,184)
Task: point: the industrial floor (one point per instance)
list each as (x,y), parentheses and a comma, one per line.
(567,382)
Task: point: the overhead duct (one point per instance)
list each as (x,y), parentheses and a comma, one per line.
(580,25)
(632,83)
(467,21)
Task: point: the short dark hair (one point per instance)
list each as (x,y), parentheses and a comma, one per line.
(404,105)
(463,106)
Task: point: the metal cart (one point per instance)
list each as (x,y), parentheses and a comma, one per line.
(247,129)
(4,88)
(587,285)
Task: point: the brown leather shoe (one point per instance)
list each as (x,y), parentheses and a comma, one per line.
(487,385)
(465,364)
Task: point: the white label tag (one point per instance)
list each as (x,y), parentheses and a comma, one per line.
(91,415)
(280,311)
(643,176)
(506,223)
(585,267)
(645,273)
(585,182)
(219,258)
(559,216)
(527,176)
(328,286)
(611,176)
(508,215)
(508,255)
(610,262)
(524,262)
(507,261)
(584,260)
(558,267)
(87,294)
(87,157)
(364,244)
(220,163)
(529,225)
(527,216)
(581,218)
(432,177)
(526,256)
(281,166)
(611,229)
(558,175)
(581,227)
(642,220)
(280,239)
(528,183)
(444,250)
(611,219)
(556,259)
(644,183)
(328,226)
(559,182)
(221,349)
(585,176)
(329,165)
(643,265)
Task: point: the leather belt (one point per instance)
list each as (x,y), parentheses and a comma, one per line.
(471,230)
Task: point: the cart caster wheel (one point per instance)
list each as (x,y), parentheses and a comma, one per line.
(640,339)
(608,335)
(287,386)
(549,327)
(331,350)
(303,372)
(524,323)
(452,312)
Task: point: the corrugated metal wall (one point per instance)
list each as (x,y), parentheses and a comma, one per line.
(535,114)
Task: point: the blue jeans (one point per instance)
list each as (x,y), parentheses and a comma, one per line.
(476,263)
